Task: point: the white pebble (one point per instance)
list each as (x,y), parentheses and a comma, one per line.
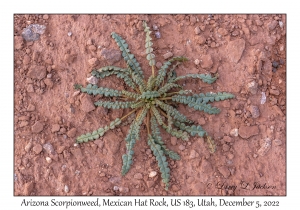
(66,189)
(70,33)
(116,188)
(152,174)
(49,160)
(197,62)
(234,132)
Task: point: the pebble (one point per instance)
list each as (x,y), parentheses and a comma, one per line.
(234,132)
(49,160)
(69,33)
(28,147)
(37,149)
(280,24)
(152,174)
(193,154)
(277,142)
(37,127)
(92,80)
(155,27)
(111,55)
(49,148)
(254,111)
(168,55)
(138,176)
(263,98)
(275,64)
(55,128)
(66,189)
(49,76)
(124,189)
(222,31)
(224,171)
(114,179)
(252,87)
(116,188)
(181,147)
(37,72)
(225,147)
(33,32)
(45,17)
(272,25)
(247,131)
(265,147)
(274,92)
(93,62)
(173,140)
(235,50)
(158,65)
(206,61)
(157,34)
(72,132)
(102,174)
(87,104)
(197,62)
(197,30)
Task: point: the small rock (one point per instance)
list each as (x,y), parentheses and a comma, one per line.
(37,72)
(92,48)
(37,127)
(123,189)
(272,25)
(55,128)
(28,188)
(138,176)
(152,174)
(100,143)
(49,160)
(254,111)
(275,64)
(111,55)
(252,87)
(175,188)
(76,93)
(28,147)
(197,62)
(235,33)
(93,80)
(72,132)
(26,60)
(116,188)
(274,92)
(18,42)
(222,31)
(30,88)
(277,142)
(206,62)
(224,171)
(235,50)
(23,124)
(173,140)
(93,62)
(114,179)
(247,131)
(66,189)
(30,108)
(258,22)
(193,154)
(181,147)
(228,139)
(45,17)
(197,30)
(157,34)
(49,148)
(168,55)
(86,104)
(234,132)
(225,147)
(200,39)
(150,183)
(33,32)
(155,27)
(102,174)
(48,82)
(280,24)
(265,147)
(37,149)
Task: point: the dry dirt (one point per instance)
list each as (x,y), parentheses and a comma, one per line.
(49,114)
